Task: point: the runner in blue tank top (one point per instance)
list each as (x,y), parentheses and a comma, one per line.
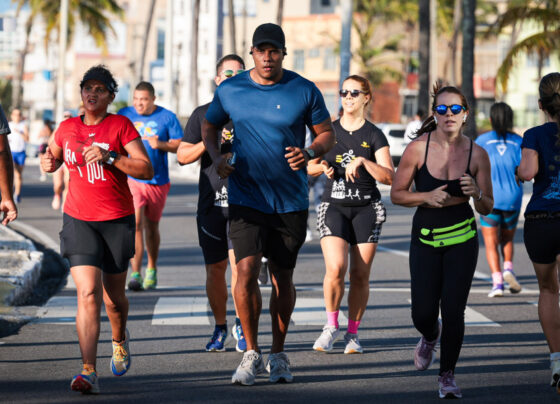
(498,228)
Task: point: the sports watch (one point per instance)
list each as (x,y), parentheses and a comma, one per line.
(310,152)
(112,157)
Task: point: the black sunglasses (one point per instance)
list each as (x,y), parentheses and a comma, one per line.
(455,109)
(353,93)
(230,73)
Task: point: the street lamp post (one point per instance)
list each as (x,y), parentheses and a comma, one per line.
(62,39)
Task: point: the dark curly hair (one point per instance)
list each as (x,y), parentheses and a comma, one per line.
(100,73)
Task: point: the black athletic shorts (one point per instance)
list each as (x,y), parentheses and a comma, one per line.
(108,245)
(278,236)
(354,224)
(212,234)
(541,239)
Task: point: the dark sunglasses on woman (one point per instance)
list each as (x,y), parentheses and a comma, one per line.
(455,109)
(353,93)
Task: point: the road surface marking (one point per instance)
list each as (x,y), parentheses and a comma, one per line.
(475,319)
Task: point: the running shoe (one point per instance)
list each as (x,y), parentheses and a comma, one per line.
(85,382)
(509,277)
(327,338)
(135,282)
(424,353)
(497,291)
(237,332)
(263,274)
(279,368)
(151,279)
(216,343)
(120,362)
(251,365)
(353,345)
(555,366)
(447,386)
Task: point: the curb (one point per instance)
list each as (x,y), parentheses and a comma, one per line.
(20,267)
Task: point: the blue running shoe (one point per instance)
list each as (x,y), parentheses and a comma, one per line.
(120,361)
(237,332)
(216,343)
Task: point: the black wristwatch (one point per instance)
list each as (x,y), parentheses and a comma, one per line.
(112,156)
(310,152)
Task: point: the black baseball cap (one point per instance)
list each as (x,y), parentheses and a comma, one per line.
(102,74)
(271,34)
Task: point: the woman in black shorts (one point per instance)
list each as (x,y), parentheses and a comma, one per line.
(448,169)
(97,237)
(351,212)
(540,151)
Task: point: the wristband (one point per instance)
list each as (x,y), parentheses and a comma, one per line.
(112,157)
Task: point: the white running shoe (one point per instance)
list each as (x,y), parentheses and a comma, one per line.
(497,291)
(555,366)
(327,338)
(424,354)
(353,345)
(279,368)
(251,365)
(509,277)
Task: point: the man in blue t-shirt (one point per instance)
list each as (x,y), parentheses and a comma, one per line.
(270,107)
(161,133)
(7,204)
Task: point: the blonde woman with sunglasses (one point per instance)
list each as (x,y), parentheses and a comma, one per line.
(351,213)
(448,169)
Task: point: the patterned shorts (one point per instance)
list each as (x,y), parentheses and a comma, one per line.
(355,224)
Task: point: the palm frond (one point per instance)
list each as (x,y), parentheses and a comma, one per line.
(543,41)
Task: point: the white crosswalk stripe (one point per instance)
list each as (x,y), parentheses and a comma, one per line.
(475,319)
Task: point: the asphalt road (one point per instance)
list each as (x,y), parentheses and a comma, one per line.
(504,356)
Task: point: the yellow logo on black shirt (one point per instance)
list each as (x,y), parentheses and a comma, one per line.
(365,145)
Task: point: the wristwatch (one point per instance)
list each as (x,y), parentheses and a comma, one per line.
(112,157)
(310,152)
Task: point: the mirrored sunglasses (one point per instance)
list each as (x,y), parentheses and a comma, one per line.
(455,109)
(230,73)
(353,93)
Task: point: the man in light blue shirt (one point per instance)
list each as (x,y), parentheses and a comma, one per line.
(161,133)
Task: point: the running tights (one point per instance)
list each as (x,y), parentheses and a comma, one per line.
(442,275)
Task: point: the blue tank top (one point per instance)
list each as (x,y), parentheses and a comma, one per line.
(425,182)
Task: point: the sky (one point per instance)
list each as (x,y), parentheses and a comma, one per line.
(6,5)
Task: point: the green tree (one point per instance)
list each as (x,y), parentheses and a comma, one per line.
(6,95)
(544,15)
(96,15)
(376,59)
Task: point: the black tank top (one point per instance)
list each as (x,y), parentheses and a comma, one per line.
(425,182)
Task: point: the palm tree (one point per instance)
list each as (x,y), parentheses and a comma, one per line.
(543,14)
(232,35)
(375,58)
(94,14)
(424,53)
(140,70)
(194,54)
(467,67)
(280,12)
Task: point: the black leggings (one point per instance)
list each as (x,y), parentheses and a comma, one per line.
(442,274)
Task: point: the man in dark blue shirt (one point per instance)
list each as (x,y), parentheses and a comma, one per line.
(270,107)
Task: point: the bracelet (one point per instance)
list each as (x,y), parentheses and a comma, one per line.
(480,195)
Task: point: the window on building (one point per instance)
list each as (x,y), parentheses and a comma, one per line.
(532,101)
(314,53)
(410,106)
(299,60)
(160,43)
(323,6)
(533,60)
(329,59)
(331,102)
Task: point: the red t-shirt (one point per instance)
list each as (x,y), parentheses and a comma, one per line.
(97,191)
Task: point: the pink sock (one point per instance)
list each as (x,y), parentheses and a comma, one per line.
(353,326)
(497,278)
(332,318)
(508,266)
